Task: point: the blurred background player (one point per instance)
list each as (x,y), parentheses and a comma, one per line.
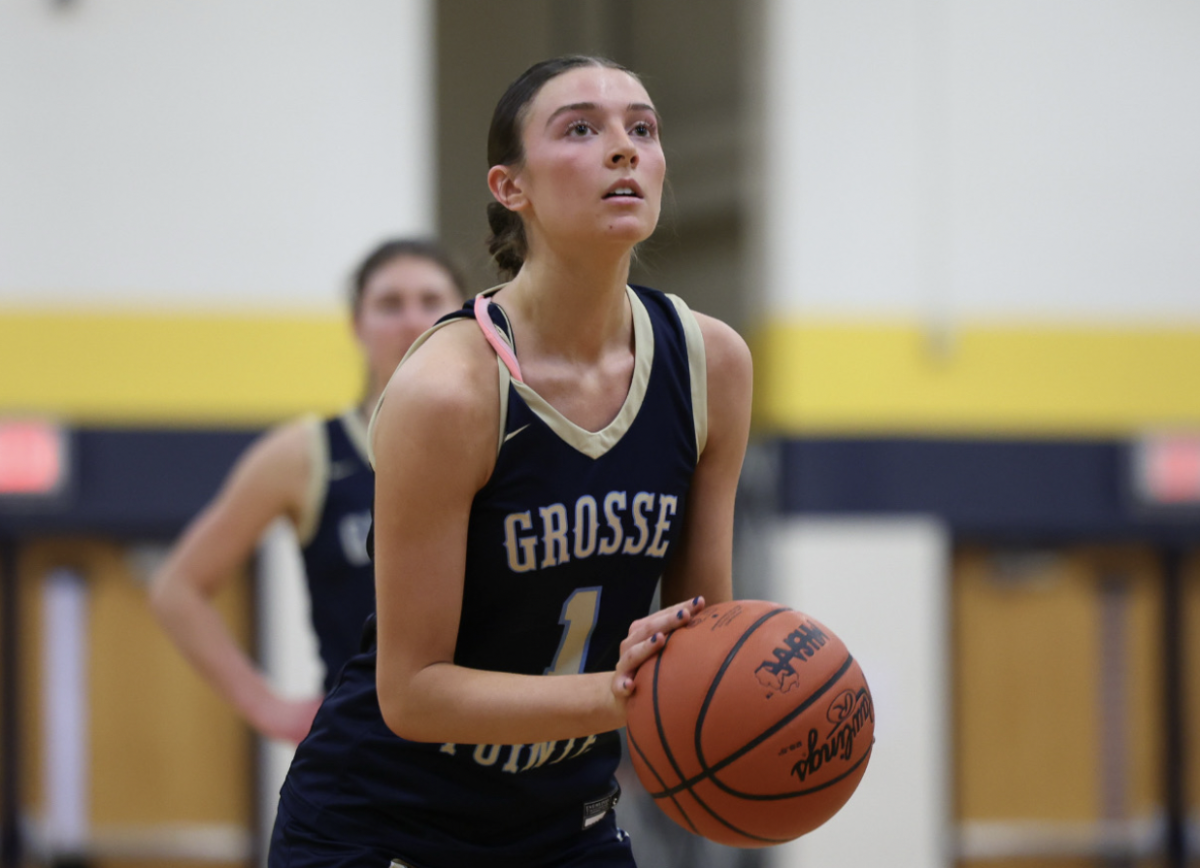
(313,472)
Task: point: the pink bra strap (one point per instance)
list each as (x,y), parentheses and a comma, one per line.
(492,333)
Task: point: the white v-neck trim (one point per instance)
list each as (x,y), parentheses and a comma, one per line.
(594,444)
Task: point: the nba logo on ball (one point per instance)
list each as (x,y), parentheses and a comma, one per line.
(753,726)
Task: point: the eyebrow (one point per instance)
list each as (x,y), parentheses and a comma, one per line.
(591,106)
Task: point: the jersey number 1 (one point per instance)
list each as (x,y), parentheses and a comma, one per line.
(578,618)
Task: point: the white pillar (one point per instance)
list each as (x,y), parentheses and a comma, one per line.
(882,585)
(66,762)
(287,647)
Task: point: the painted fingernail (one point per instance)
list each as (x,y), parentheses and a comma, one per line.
(695,601)
(653,638)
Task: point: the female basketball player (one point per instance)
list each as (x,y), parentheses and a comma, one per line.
(315,473)
(541,461)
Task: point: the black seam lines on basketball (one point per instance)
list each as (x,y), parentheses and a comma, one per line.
(662,740)
(710,771)
(726,823)
(716,681)
(662,737)
(670,793)
(778,797)
(658,777)
(774,797)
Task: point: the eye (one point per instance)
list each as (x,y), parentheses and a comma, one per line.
(643,129)
(389,304)
(579,128)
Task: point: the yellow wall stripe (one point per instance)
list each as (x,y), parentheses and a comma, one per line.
(853,378)
(134,368)
(812,376)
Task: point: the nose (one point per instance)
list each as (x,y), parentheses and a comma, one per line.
(624,151)
(416,320)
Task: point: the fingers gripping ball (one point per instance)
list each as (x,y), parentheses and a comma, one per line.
(753,726)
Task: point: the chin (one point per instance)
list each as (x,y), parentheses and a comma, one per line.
(628,231)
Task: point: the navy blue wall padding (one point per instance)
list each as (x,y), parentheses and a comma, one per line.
(147,483)
(1035,490)
(133,482)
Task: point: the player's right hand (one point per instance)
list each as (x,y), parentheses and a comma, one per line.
(646,638)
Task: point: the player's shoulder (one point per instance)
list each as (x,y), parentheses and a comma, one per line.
(718,336)
(448,383)
(724,348)
(287,447)
(279,466)
(454,364)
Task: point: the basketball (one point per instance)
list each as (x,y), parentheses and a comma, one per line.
(753,726)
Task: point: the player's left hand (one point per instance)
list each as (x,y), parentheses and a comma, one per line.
(646,638)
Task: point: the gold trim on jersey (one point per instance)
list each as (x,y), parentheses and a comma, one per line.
(698,369)
(596,443)
(505,374)
(591,443)
(356,431)
(318,480)
(505,382)
(416,345)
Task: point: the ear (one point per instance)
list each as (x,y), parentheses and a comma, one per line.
(506,187)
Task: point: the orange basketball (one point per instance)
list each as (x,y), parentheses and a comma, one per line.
(753,725)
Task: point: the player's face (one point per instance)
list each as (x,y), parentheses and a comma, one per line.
(401,299)
(594,166)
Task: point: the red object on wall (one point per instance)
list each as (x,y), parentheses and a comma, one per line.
(1167,469)
(32,458)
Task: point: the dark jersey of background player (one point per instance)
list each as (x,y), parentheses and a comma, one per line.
(533,480)
(313,473)
(333,539)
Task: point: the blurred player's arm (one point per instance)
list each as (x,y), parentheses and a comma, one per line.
(703,562)
(268,481)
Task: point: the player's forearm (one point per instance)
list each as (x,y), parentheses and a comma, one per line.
(197,629)
(448,703)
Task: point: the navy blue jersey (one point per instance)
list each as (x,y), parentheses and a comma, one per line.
(341,579)
(566,543)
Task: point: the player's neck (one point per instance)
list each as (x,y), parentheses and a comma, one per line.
(575,307)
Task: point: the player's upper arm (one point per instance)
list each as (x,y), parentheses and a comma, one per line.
(434,441)
(730,389)
(704,562)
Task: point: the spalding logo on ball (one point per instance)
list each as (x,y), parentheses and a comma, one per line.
(753,726)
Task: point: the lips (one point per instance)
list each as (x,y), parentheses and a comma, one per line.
(624,189)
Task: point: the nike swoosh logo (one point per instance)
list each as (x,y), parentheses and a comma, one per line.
(513,434)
